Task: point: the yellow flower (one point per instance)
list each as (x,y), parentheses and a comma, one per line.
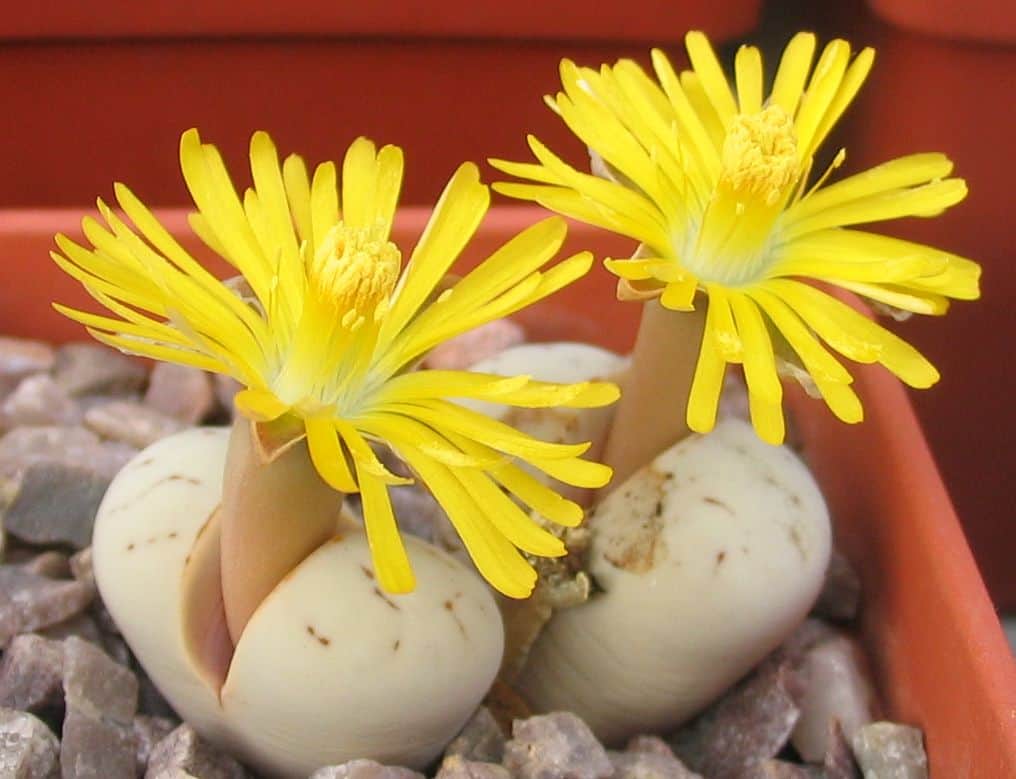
(330,343)
(714,184)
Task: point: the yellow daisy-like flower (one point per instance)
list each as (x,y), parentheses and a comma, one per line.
(329,346)
(714,184)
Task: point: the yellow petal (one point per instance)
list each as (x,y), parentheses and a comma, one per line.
(709,71)
(908,171)
(788,86)
(324,203)
(507,517)
(391,563)
(498,561)
(759,361)
(707,383)
(575,471)
(767,419)
(259,405)
(748,67)
(297,183)
(680,295)
(825,83)
(854,335)
(456,217)
(327,454)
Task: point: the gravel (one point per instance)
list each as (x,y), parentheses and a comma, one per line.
(75,703)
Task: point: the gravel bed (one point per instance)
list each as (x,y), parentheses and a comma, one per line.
(75,703)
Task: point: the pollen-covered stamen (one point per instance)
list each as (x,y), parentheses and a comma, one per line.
(759,155)
(355,269)
(760,172)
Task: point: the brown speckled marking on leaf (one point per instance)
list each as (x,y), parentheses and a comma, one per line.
(450,608)
(367,572)
(720,557)
(718,503)
(386,599)
(151,487)
(181,477)
(323,640)
(633,543)
(795,539)
(396,645)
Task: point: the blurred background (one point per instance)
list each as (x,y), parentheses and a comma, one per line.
(95,93)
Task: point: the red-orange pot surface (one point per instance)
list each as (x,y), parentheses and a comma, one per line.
(939,653)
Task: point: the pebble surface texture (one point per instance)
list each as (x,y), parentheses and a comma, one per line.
(74,703)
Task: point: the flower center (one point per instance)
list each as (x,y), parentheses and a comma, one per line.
(356,269)
(760,171)
(759,155)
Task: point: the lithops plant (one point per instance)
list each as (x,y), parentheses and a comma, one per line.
(715,185)
(705,559)
(264,585)
(329,665)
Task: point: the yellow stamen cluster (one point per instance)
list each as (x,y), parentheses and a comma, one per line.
(355,270)
(759,155)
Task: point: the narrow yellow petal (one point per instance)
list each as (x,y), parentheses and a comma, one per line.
(359,183)
(364,457)
(327,454)
(901,297)
(852,81)
(216,198)
(707,384)
(158,351)
(748,67)
(908,171)
(441,414)
(713,79)
(455,219)
(297,183)
(387,551)
(691,124)
(324,204)
(680,295)
(509,520)
(537,495)
(389,185)
(927,200)
(515,390)
(854,335)
(767,419)
(822,89)
(820,364)
(259,405)
(498,561)
(759,361)
(720,324)
(575,471)
(842,401)
(788,86)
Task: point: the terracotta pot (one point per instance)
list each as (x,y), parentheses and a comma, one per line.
(941,660)
(980,20)
(106,96)
(951,97)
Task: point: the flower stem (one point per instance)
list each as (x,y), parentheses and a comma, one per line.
(651,414)
(273,514)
